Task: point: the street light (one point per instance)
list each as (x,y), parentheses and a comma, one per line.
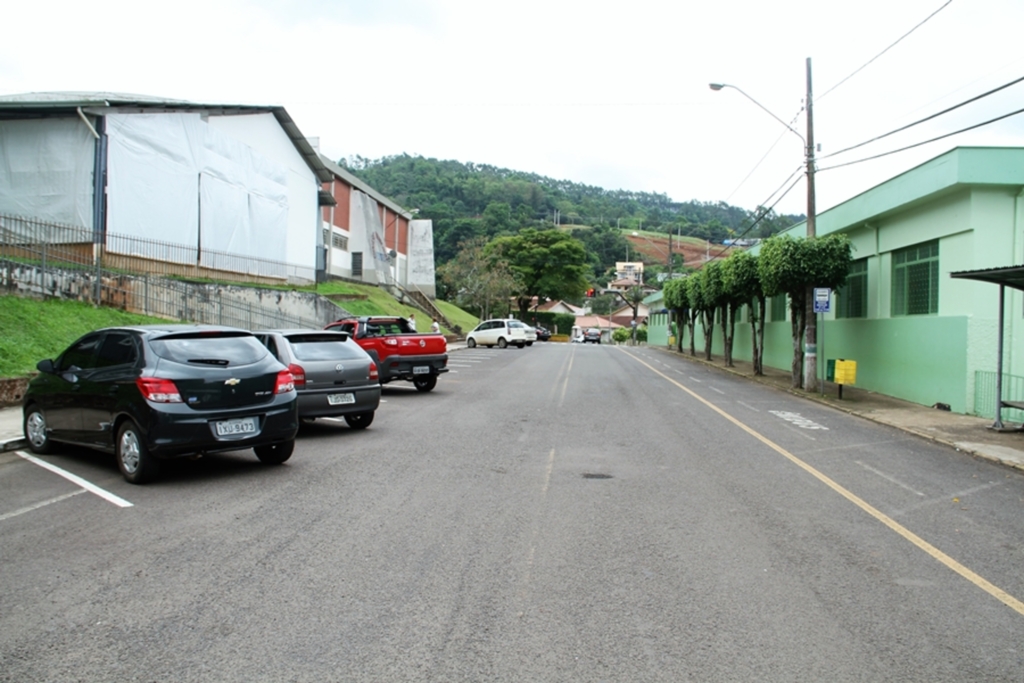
(811,331)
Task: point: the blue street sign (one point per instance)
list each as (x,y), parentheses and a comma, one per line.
(822,299)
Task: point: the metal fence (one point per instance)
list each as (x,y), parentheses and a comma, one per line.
(34,240)
(141,276)
(985,395)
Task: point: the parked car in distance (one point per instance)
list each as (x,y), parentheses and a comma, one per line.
(499,332)
(334,376)
(592,336)
(543,333)
(154,392)
(531,334)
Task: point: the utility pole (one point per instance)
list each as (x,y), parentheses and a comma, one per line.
(810,317)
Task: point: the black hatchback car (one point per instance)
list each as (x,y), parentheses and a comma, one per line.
(155,392)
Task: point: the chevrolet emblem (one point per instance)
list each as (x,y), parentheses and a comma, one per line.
(232,382)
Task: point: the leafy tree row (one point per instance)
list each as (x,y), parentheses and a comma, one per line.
(784,265)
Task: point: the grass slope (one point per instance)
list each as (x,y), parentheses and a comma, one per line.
(33,330)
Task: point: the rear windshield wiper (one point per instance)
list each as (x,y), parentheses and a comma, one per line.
(208,361)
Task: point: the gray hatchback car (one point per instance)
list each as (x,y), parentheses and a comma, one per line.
(334,376)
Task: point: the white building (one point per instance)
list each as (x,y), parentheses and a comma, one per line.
(236,184)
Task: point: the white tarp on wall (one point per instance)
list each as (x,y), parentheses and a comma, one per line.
(173,178)
(46,170)
(420,264)
(368,238)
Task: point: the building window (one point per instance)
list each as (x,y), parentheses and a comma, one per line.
(339,241)
(778,312)
(853,295)
(357,264)
(915,279)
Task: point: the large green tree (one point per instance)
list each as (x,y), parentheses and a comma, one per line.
(546,263)
(476,281)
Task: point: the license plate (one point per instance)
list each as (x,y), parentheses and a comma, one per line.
(340,399)
(421,370)
(243,425)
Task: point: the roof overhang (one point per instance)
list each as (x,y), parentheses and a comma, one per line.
(1009,276)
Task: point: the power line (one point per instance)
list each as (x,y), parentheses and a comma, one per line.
(765,212)
(925,142)
(761,160)
(863,66)
(927,118)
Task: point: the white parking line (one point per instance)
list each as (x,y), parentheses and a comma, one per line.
(717,389)
(749,407)
(30,508)
(75,479)
(887,477)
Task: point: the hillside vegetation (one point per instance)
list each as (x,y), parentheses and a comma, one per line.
(466,200)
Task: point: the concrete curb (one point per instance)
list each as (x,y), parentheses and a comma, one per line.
(15,445)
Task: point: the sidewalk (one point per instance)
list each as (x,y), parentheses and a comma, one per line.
(964,432)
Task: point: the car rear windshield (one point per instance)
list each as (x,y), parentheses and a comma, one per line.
(310,347)
(210,348)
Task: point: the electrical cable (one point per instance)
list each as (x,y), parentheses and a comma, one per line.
(761,160)
(927,118)
(765,212)
(925,142)
(863,66)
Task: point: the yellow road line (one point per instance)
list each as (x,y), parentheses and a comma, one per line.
(982,583)
(565,384)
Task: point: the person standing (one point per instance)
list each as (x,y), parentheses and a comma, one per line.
(412,322)
(435,327)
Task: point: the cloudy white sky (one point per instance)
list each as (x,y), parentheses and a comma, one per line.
(613,94)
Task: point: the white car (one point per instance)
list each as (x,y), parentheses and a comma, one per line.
(531,334)
(500,332)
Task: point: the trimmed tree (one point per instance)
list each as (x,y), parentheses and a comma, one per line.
(676,301)
(739,274)
(792,266)
(712,295)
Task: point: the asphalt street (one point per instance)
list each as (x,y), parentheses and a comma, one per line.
(555,513)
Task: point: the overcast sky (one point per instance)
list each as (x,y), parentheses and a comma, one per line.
(613,94)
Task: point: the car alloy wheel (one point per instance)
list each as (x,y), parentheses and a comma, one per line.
(35,432)
(133,458)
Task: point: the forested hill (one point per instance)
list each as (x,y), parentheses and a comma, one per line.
(466,200)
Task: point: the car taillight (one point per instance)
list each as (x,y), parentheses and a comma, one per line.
(373,371)
(298,375)
(158,390)
(285,382)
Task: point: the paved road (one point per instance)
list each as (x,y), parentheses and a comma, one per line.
(557,513)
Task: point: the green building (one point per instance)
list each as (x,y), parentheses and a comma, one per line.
(916,333)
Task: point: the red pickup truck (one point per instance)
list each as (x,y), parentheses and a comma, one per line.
(400,353)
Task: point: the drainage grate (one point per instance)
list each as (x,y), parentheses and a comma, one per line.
(594,475)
